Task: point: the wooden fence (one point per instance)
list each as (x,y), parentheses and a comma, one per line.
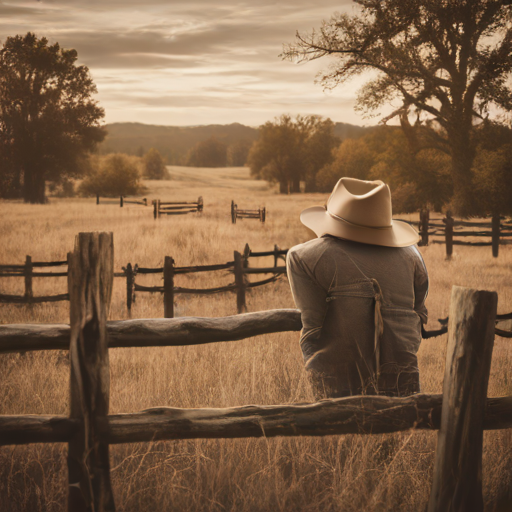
(260,213)
(461,413)
(498,230)
(239,266)
(177,208)
(27,271)
(123,201)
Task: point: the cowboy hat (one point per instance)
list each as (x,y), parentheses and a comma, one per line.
(360,211)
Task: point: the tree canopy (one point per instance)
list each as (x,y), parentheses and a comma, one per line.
(288,151)
(446,61)
(48,119)
(154,165)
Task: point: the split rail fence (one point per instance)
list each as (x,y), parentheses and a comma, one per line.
(460,414)
(239,266)
(123,201)
(176,208)
(27,271)
(260,213)
(498,230)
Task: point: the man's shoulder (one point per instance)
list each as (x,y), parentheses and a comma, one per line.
(310,252)
(308,247)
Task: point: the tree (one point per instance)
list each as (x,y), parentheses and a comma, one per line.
(112,176)
(238,153)
(47,116)
(493,169)
(353,159)
(208,153)
(447,61)
(288,151)
(416,179)
(154,165)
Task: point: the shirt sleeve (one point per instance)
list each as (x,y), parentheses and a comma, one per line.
(421,284)
(310,298)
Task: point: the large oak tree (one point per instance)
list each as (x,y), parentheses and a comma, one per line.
(447,61)
(48,119)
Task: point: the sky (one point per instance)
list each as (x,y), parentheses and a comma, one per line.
(184,63)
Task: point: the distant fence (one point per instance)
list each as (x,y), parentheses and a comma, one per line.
(260,213)
(123,201)
(498,230)
(240,268)
(176,208)
(461,413)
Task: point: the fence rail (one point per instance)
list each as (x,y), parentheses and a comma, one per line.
(461,413)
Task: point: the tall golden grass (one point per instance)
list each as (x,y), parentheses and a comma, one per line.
(344,473)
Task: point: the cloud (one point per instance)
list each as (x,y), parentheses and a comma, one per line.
(202,54)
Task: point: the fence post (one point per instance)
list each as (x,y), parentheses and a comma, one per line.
(121,201)
(130,275)
(233,212)
(168,287)
(240,283)
(90,277)
(495,235)
(263,215)
(97,199)
(424,221)
(27,271)
(158,208)
(200,204)
(457,482)
(448,233)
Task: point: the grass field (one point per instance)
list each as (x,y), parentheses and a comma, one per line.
(345,473)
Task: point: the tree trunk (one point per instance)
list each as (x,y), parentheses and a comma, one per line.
(295,188)
(311,184)
(463,155)
(34,186)
(283,187)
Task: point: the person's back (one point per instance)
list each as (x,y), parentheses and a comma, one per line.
(362,306)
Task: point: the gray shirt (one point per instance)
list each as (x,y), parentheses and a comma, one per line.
(346,292)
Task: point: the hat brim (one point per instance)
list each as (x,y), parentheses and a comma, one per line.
(399,234)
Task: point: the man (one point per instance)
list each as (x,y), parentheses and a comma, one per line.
(361,288)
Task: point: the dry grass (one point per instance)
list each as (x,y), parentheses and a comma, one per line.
(349,473)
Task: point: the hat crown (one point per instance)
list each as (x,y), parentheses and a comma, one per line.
(364,203)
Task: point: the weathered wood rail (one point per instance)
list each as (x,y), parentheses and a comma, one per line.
(498,230)
(260,213)
(461,413)
(176,208)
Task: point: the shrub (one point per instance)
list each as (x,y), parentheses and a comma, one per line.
(113,175)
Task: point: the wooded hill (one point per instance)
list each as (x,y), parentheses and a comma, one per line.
(174,142)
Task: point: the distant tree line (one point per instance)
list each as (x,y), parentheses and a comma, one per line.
(302,154)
